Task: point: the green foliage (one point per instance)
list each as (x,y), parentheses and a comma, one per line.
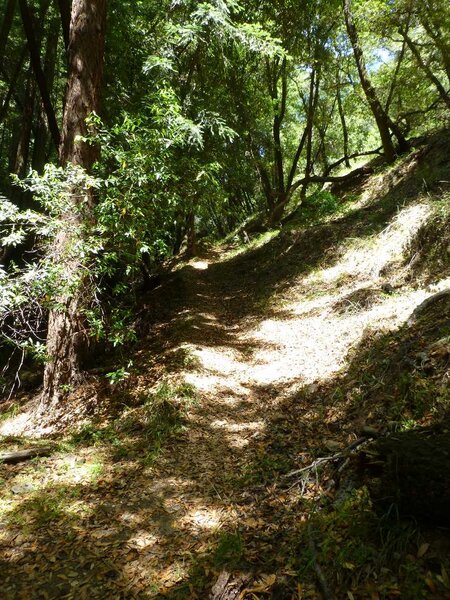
(195,92)
(27,293)
(355,547)
(323,203)
(161,414)
(119,374)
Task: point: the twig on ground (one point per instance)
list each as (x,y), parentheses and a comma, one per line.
(324,459)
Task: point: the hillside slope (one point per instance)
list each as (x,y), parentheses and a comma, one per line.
(211,450)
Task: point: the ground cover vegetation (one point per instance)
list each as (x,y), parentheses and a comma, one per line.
(224,299)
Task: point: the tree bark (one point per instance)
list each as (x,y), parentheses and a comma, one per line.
(280,111)
(6,27)
(64,11)
(312,106)
(12,458)
(431,25)
(66,335)
(12,85)
(378,112)
(23,142)
(394,78)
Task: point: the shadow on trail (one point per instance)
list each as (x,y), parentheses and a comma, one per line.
(243,286)
(167,529)
(399,376)
(167,514)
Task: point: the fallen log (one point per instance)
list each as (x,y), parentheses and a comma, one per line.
(23,455)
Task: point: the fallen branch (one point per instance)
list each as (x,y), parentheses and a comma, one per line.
(13,458)
(356,173)
(366,170)
(324,459)
(319,461)
(229,586)
(352,157)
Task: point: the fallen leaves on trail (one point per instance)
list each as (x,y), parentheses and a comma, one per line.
(247,374)
(262,586)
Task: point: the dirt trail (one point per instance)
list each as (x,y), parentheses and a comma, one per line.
(252,339)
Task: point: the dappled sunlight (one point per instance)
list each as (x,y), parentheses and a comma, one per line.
(219,361)
(16,425)
(200,265)
(198,519)
(239,434)
(252,374)
(370,256)
(322,317)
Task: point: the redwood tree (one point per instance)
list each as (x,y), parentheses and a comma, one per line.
(66,338)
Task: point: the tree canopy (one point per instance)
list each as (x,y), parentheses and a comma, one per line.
(209,115)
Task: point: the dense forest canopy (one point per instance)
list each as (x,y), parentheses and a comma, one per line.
(132,131)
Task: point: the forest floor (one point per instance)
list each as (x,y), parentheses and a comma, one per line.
(252,362)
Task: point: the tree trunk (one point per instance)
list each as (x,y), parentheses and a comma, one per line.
(343,124)
(64,11)
(425,68)
(191,234)
(401,56)
(23,142)
(435,33)
(12,85)
(6,27)
(66,335)
(41,138)
(34,48)
(312,106)
(379,114)
(279,105)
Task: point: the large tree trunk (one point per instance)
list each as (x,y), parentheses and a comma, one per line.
(378,112)
(66,336)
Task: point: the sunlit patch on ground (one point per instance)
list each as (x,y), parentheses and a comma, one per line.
(15,425)
(202,519)
(146,523)
(200,265)
(368,257)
